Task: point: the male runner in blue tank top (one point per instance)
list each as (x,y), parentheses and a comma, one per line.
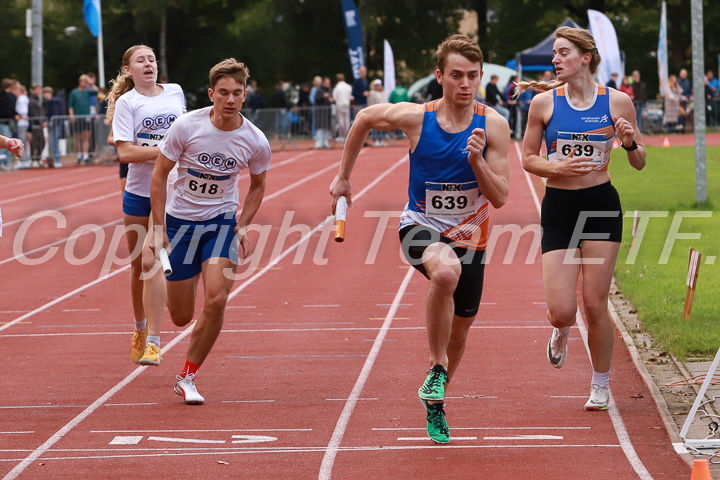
(458,164)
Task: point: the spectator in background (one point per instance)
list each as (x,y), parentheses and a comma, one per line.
(494,99)
(399,94)
(377,95)
(547,77)
(251,86)
(709,112)
(524,100)
(279,101)
(626,88)
(511,102)
(317,83)
(639,99)
(7,119)
(685,84)
(22,111)
(342,95)
(81,99)
(37,123)
(672,93)
(612,83)
(54,108)
(713,83)
(255,103)
(323,120)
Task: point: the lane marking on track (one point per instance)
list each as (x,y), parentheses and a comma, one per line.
(16,433)
(201,430)
(261,357)
(320,306)
(38,452)
(126,440)
(527,437)
(183,440)
(615,417)
(333,446)
(278,330)
(425,439)
(61,241)
(247,401)
(392,429)
(346,399)
(42,213)
(206,451)
(130,404)
(35,179)
(58,189)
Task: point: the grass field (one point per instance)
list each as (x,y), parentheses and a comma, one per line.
(655,281)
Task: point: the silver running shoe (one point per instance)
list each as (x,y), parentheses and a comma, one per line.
(599,397)
(557,348)
(186,389)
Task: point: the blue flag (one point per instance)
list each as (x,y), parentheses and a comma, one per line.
(91,10)
(356,50)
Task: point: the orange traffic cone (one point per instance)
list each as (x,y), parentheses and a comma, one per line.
(666,142)
(700,470)
(616,143)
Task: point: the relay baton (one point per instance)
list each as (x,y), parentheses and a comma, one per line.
(340,216)
(165,262)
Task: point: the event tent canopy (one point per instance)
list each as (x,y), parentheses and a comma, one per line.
(540,54)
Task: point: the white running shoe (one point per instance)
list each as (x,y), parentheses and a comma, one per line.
(186,389)
(599,397)
(557,348)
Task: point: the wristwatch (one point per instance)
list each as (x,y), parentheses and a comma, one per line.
(632,147)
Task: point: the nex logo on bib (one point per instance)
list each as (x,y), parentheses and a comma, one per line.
(581,137)
(451,187)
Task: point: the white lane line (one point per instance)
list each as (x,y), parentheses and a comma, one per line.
(63,297)
(126,440)
(229,450)
(320,306)
(527,437)
(58,242)
(42,213)
(36,178)
(248,401)
(342,423)
(80,309)
(100,401)
(58,189)
(200,430)
(16,433)
(425,439)
(242,306)
(346,399)
(183,440)
(615,417)
(281,330)
(393,429)
(129,404)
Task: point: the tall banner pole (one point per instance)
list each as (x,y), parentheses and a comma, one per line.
(696,23)
(101,50)
(353,28)
(662,53)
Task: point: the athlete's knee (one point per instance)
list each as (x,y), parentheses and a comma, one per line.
(180,317)
(215,301)
(148,261)
(445,278)
(562,315)
(595,308)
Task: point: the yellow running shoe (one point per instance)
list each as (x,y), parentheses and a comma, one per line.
(152,355)
(138,345)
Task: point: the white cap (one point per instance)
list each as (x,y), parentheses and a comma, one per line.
(377,82)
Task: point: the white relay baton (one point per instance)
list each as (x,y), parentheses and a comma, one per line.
(165,262)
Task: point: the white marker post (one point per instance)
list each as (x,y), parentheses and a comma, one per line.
(691,282)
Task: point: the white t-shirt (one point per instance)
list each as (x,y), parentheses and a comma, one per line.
(209,161)
(342,94)
(144,121)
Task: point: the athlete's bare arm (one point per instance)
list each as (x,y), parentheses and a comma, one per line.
(541,109)
(403,116)
(253,200)
(128,152)
(623,113)
(493,170)
(158,194)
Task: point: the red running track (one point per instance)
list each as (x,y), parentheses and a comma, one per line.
(315,374)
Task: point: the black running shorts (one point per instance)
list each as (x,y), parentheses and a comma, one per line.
(562,210)
(415,239)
